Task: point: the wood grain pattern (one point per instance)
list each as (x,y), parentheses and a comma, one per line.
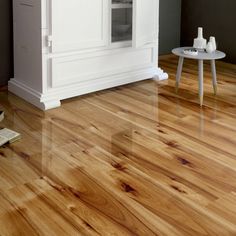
(134,160)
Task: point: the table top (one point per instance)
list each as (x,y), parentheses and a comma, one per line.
(202,55)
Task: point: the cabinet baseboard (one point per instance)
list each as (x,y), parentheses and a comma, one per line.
(51,98)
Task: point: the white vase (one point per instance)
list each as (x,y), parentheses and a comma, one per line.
(199,42)
(213,41)
(210,47)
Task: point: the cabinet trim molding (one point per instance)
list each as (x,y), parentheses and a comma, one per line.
(51,99)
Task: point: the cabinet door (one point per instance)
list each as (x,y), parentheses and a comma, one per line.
(145,22)
(79,24)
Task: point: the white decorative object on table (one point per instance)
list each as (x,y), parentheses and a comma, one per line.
(210,47)
(200,43)
(213,41)
(191,52)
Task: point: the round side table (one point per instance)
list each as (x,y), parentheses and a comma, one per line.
(202,55)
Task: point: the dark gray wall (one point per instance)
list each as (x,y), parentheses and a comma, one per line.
(217,17)
(170,25)
(6,69)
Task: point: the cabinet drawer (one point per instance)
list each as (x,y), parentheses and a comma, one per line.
(80,69)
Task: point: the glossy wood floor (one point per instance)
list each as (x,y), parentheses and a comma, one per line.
(135,160)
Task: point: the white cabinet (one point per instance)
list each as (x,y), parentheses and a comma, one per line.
(78,24)
(145,18)
(66,48)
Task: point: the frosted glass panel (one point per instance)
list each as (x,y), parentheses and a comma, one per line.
(121,20)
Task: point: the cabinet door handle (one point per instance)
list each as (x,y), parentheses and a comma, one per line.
(49,40)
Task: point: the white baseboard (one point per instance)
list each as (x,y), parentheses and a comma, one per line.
(31,95)
(25,92)
(51,99)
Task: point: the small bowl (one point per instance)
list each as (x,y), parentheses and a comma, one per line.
(121,29)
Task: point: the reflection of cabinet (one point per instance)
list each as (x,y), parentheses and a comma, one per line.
(65,48)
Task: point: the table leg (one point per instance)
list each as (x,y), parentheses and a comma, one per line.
(200,79)
(179,72)
(214,78)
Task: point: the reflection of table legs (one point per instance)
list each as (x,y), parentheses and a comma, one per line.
(200,80)
(214,78)
(179,72)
